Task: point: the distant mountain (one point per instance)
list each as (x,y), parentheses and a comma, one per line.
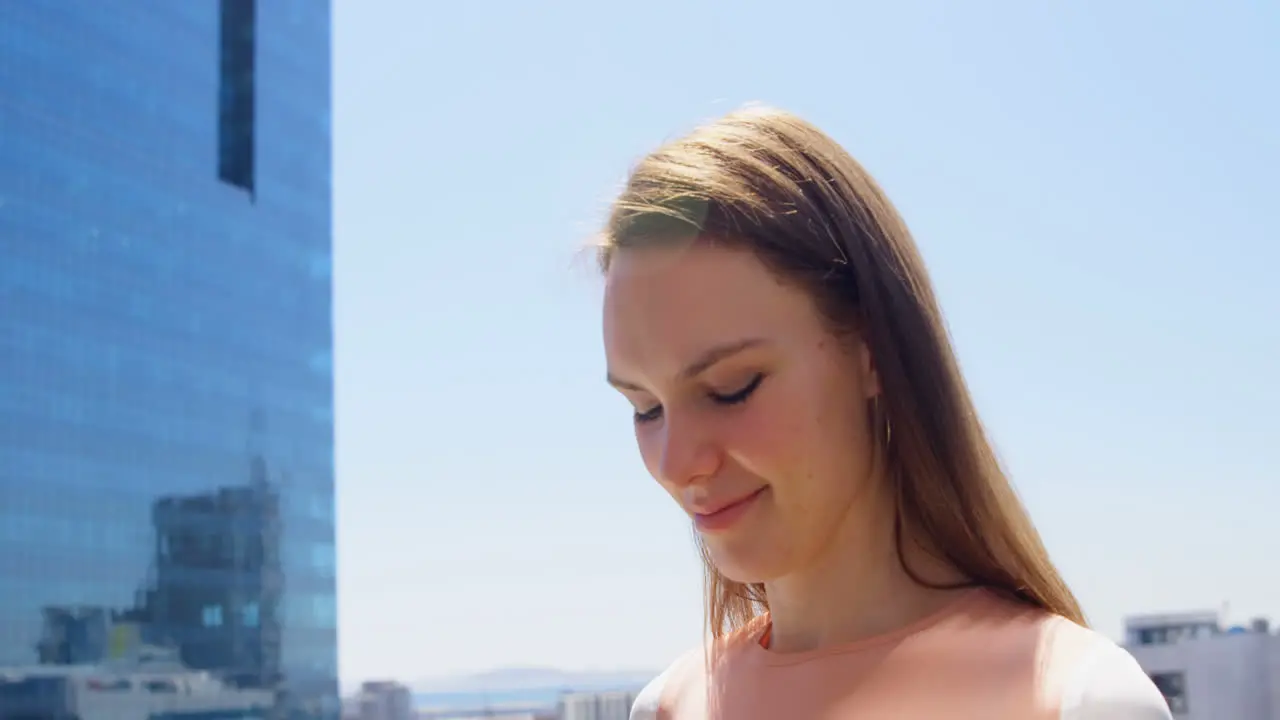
(533,678)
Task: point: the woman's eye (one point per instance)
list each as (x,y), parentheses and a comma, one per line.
(731,398)
(649,415)
(741,394)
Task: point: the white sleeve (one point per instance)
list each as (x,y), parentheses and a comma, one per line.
(1110,685)
(646,703)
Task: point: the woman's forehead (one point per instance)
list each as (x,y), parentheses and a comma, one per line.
(667,307)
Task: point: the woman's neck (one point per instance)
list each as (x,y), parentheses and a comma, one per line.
(857,589)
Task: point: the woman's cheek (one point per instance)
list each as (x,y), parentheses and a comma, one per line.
(763,434)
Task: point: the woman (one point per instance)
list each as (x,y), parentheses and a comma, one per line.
(770,319)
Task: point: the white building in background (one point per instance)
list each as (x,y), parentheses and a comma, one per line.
(1207,671)
(382,700)
(596,706)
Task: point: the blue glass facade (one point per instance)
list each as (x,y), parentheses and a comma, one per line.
(166,391)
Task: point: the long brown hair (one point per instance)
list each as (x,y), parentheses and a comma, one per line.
(768,181)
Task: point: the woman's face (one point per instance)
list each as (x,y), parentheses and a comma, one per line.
(748,411)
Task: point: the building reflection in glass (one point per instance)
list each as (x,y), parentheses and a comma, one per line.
(202,641)
(218,582)
(166,389)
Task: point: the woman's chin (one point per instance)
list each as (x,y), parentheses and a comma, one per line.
(742,565)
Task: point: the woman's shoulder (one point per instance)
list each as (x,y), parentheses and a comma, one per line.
(1089,675)
(648,703)
(687,676)
(1103,681)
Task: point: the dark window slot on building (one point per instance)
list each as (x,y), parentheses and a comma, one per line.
(1173,685)
(236,93)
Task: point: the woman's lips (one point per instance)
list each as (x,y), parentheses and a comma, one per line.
(726,516)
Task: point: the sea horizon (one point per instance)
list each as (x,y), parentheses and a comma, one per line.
(539,697)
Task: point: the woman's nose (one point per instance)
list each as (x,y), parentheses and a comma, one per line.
(687,452)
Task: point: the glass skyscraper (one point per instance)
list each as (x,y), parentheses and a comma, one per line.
(166,390)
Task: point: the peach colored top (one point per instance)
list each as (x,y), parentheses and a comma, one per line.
(980,658)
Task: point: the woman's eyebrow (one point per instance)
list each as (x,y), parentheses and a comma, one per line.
(718,353)
(700,365)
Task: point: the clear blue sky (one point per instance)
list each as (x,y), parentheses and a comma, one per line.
(1093,187)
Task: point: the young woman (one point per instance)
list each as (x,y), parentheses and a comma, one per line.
(770,319)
